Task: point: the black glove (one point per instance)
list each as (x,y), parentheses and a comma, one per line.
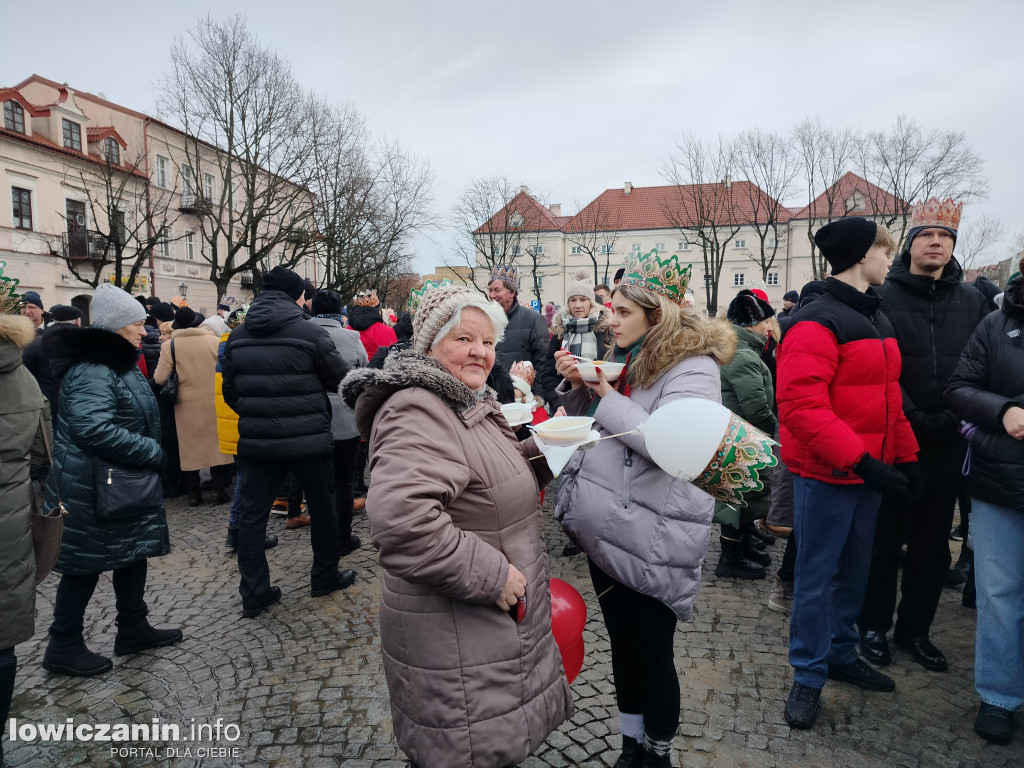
(915,480)
(881,477)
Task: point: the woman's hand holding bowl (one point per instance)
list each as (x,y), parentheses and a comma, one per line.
(601,387)
(565,364)
(515,587)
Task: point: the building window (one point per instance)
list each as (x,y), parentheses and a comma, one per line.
(739,243)
(773,278)
(22,200)
(163,242)
(515,220)
(112,151)
(496,252)
(737,279)
(72,135)
(684,245)
(14,117)
(75,212)
(576,250)
(540,283)
(772,242)
(538,251)
(208,185)
(634,249)
(515,250)
(161,171)
(187,187)
(190,246)
(660,247)
(607,250)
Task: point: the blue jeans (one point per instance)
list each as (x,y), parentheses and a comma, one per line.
(998,537)
(834,527)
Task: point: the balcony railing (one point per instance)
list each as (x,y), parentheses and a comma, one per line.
(195,204)
(84,244)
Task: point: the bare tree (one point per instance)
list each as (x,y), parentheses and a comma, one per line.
(907,164)
(116,231)
(491,230)
(825,156)
(539,260)
(767,161)
(704,208)
(247,123)
(593,232)
(977,238)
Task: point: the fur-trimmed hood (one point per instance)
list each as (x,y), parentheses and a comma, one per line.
(721,340)
(365,390)
(69,345)
(17,330)
(558,322)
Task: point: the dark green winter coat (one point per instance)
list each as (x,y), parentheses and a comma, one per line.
(107,410)
(747,391)
(21,404)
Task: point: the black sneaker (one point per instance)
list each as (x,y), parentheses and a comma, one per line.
(860,674)
(254,609)
(802,706)
(957,534)
(994,723)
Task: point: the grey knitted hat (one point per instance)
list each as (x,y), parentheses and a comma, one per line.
(440,305)
(581,285)
(113,308)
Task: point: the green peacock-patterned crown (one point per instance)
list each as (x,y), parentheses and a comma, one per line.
(9,299)
(416,294)
(652,273)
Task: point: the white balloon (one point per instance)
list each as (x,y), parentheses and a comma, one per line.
(683,435)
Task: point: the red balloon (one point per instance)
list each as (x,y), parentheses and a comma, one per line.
(572,659)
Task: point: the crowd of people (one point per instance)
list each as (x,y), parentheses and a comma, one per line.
(893,387)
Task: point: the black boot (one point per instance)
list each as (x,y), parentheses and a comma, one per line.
(752,552)
(232,540)
(70,656)
(755,530)
(632,754)
(221,477)
(195,496)
(138,635)
(733,563)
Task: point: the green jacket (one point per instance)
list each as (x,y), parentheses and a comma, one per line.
(747,391)
(21,404)
(107,410)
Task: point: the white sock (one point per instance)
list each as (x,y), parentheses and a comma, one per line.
(632,726)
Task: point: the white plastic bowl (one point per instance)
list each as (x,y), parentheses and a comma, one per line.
(564,430)
(589,370)
(517,413)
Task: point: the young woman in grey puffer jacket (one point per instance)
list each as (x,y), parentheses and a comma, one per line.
(645,533)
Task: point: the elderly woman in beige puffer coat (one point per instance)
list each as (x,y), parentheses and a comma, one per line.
(454,510)
(24,413)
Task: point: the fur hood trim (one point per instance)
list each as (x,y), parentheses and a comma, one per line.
(18,330)
(404,369)
(68,345)
(558,322)
(721,343)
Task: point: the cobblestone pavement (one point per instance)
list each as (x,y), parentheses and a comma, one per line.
(304,685)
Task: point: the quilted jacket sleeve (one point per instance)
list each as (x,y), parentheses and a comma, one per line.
(747,375)
(968,390)
(409,495)
(88,398)
(810,360)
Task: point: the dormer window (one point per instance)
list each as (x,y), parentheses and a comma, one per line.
(111,151)
(14,117)
(72,135)
(515,220)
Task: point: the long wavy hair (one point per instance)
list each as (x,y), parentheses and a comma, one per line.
(676,333)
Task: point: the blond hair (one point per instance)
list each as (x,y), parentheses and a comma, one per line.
(884,238)
(675,334)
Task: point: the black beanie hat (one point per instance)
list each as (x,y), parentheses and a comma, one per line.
(747,309)
(327,303)
(844,242)
(62,313)
(308,290)
(152,300)
(791,296)
(162,311)
(284,280)
(185,317)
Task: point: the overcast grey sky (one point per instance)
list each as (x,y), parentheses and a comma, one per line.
(576,97)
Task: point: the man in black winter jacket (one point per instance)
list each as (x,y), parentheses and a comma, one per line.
(526,335)
(934,314)
(277,370)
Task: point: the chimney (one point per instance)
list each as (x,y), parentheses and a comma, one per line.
(524,190)
(628,187)
(556,209)
(727,182)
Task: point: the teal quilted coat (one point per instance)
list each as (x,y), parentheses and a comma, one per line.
(108,411)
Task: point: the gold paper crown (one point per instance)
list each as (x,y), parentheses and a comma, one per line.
(932,213)
(366,298)
(416,294)
(733,470)
(9,300)
(509,274)
(664,276)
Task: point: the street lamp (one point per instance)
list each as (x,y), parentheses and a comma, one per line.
(183,290)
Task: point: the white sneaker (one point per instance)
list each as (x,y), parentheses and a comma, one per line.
(781,597)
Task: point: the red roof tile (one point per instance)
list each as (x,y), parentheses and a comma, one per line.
(8,94)
(876,201)
(101,132)
(536,217)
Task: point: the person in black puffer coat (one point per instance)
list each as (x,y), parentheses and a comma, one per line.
(277,369)
(933,313)
(38,363)
(987,390)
